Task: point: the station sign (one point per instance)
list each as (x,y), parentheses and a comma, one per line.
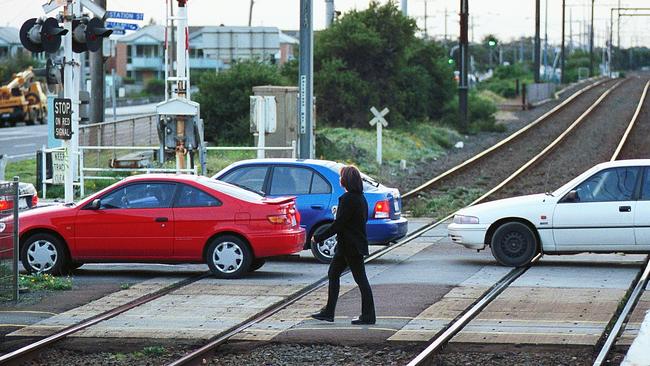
(62,118)
(124,15)
(123,26)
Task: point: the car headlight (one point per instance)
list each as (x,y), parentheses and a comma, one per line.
(3,226)
(462,219)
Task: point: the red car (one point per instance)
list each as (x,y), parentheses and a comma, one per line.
(163,219)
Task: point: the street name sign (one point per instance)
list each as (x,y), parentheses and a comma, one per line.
(124,26)
(62,118)
(124,15)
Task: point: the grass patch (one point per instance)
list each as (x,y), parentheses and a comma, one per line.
(415,144)
(445,203)
(25,169)
(125,286)
(153,351)
(39,281)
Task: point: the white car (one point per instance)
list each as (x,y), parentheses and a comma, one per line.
(605,209)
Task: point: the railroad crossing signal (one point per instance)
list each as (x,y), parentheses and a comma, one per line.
(39,35)
(88,34)
(380,122)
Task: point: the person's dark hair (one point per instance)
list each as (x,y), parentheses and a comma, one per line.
(351,179)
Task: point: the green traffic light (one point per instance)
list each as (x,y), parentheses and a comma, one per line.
(450,61)
(492,43)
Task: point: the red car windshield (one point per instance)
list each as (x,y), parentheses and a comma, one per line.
(231,190)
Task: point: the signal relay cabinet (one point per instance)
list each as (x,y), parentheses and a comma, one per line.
(287,125)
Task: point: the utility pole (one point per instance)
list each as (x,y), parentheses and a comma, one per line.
(591,41)
(250,13)
(305,80)
(562,78)
(426,17)
(546,40)
(329,13)
(97,77)
(537,50)
(463,87)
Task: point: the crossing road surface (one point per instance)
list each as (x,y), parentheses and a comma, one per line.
(21,142)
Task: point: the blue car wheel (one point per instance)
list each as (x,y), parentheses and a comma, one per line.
(324,251)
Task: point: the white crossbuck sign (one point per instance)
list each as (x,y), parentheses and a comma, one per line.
(381,122)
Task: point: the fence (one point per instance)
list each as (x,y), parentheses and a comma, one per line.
(9,241)
(134,131)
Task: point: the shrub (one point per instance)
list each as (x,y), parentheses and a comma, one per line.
(154,87)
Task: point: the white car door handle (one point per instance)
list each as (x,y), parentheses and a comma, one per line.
(624,209)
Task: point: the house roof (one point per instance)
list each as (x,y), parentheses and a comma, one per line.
(154,31)
(9,35)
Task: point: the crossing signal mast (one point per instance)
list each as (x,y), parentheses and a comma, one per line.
(78,33)
(180,128)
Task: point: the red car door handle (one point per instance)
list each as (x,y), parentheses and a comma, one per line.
(161,219)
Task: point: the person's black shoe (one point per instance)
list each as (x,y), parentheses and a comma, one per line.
(363,321)
(323,316)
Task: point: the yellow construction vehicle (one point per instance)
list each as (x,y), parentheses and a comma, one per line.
(23,99)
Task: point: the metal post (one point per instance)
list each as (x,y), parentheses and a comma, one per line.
(405,8)
(329,13)
(591,41)
(250,13)
(306,79)
(97,80)
(15,235)
(70,70)
(464,65)
(113,96)
(609,47)
(546,76)
(562,78)
(537,50)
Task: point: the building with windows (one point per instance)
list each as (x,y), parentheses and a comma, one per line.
(9,42)
(140,56)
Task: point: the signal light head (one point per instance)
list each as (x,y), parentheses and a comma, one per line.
(38,35)
(88,34)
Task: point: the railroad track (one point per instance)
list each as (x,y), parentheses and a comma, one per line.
(617,321)
(198,355)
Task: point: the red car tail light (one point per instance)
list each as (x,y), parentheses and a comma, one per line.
(34,200)
(382,210)
(6,205)
(278,219)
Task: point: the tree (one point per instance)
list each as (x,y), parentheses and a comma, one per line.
(224,98)
(373,58)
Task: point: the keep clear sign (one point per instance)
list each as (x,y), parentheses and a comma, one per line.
(59,161)
(62,118)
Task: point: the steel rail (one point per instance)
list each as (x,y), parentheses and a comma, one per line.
(635,295)
(459,323)
(197,356)
(621,320)
(25,352)
(503,142)
(632,123)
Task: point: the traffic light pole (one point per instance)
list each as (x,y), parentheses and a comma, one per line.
(71,91)
(97,76)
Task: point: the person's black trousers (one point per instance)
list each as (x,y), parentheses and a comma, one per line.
(339,263)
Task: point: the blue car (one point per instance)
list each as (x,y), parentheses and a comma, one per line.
(315,183)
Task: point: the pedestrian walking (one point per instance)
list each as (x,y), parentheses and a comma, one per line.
(352,244)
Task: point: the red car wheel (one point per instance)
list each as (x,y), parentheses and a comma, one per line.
(229,257)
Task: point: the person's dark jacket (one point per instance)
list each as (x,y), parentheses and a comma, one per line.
(349,225)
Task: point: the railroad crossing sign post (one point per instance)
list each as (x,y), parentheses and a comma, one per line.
(381,122)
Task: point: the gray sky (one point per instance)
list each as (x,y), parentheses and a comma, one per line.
(505,18)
